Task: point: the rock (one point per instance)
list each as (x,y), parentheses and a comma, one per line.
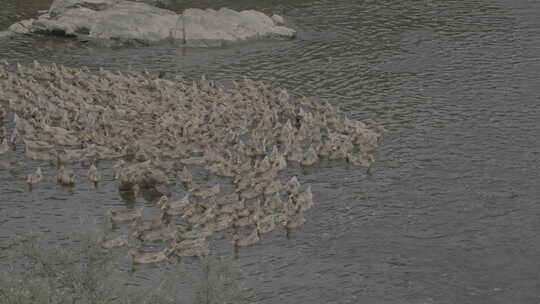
(278,20)
(226,25)
(59,7)
(22,27)
(128,21)
(65,25)
(134,21)
(282,31)
(156,3)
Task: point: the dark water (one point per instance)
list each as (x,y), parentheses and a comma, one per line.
(451,212)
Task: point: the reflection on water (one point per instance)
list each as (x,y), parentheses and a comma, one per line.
(450,211)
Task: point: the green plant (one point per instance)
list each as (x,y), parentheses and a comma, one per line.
(88,274)
(57,275)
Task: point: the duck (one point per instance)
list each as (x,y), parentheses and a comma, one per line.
(206,129)
(65,176)
(34,178)
(222,222)
(196,232)
(10,165)
(204,194)
(230,198)
(359,160)
(250,193)
(280,163)
(199,219)
(162,235)
(184,211)
(117,168)
(263,166)
(304,200)
(295,152)
(37,144)
(193,161)
(125,216)
(38,155)
(266,223)
(3,112)
(243,183)
(139,226)
(165,166)
(273,187)
(274,154)
(293,186)
(295,220)
(310,158)
(183,203)
(119,241)
(162,201)
(192,248)
(152,177)
(248,240)
(4,146)
(14,138)
(242,219)
(191,242)
(151,257)
(231,207)
(93,174)
(273,201)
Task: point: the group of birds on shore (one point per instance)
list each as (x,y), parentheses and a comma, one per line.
(160,131)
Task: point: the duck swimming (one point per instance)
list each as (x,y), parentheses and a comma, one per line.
(120,241)
(151,257)
(125,216)
(34,178)
(65,176)
(293,186)
(244,133)
(3,113)
(204,194)
(248,240)
(4,146)
(93,174)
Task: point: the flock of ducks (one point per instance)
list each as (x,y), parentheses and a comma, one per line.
(164,132)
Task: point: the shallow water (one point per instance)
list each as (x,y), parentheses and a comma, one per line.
(450,213)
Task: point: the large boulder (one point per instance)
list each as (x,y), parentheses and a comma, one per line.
(22,27)
(228,25)
(59,7)
(127,21)
(157,3)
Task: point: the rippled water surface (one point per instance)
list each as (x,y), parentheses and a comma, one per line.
(451,211)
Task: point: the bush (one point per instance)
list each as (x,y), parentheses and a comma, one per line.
(57,275)
(89,275)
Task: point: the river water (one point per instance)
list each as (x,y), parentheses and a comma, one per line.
(451,210)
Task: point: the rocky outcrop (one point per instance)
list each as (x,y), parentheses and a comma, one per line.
(157,3)
(128,21)
(22,27)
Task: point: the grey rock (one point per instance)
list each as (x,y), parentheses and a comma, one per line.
(209,26)
(156,3)
(134,21)
(128,21)
(278,20)
(22,27)
(59,7)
